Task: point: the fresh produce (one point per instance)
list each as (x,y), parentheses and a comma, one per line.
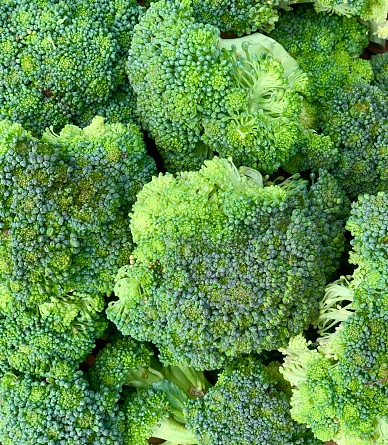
(193,222)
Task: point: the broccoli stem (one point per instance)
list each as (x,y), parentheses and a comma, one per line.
(143,377)
(193,383)
(174,432)
(259,44)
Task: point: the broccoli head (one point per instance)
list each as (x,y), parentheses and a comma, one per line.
(327,48)
(64,203)
(50,340)
(225,265)
(58,411)
(198,94)
(356,119)
(63,61)
(340,390)
(248,404)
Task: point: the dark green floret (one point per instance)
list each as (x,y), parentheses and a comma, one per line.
(356,119)
(340,389)
(249,404)
(327,47)
(225,264)
(63,61)
(380,70)
(64,203)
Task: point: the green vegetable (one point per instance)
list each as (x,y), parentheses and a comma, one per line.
(225,265)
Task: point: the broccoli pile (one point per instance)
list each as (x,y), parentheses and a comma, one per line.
(193,222)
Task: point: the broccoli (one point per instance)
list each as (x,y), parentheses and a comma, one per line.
(127,362)
(58,411)
(225,266)
(62,61)
(249,404)
(368,223)
(356,120)
(236,16)
(380,69)
(370,10)
(340,389)
(198,94)
(50,340)
(327,47)
(64,202)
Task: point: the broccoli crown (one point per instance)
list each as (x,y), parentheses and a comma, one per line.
(380,70)
(64,202)
(356,119)
(52,341)
(61,58)
(61,411)
(249,404)
(327,48)
(237,16)
(224,265)
(373,10)
(197,94)
(125,361)
(340,390)
(368,224)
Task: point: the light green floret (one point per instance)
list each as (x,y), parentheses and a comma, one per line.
(64,411)
(373,10)
(198,95)
(223,259)
(340,389)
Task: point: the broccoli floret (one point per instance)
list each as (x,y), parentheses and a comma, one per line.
(240,17)
(340,390)
(198,94)
(249,404)
(59,59)
(356,120)
(64,202)
(58,411)
(368,224)
(157,412)
(314,151)
(380,70)
(126,362)
(50,341)
(225,266)
(327,47)
(373,10)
